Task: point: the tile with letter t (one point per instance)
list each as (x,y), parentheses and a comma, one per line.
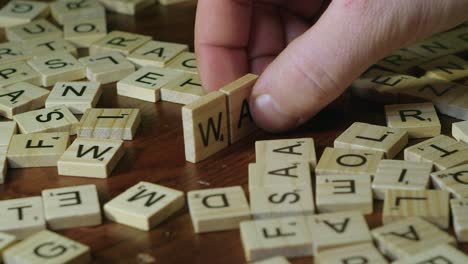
(156,53)
(70,207)
(12,52)
(53,119)
(83,33)
(88,157)
(123,42)
(460,131)
(76,96)
(22,217)
(419,120)
(279,173)
(48,247)
(184,89)
(35,29)
(144,206)
(460,218)
(6,241)
(107,67)
(21,97)
(218,209)
(453,180)
(110,123)
(7,130)
(440,254)
(273,260)
(66,10)
(363,253)
(294,149)
(184,62)
(39,46)
(16,72)
(21,12)
(448,68)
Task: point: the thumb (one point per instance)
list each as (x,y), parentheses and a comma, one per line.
(318,66)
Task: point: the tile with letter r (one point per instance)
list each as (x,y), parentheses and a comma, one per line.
(419,120)
(11,73)
(123,42)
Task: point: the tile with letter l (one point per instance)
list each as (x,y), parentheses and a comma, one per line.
(107,67)
(110,123)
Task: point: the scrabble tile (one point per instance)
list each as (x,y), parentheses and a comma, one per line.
(6,241)
(460,131)
(376,81)
(400,175)
(35,29)
(335,230)
(279,173)
(294,149)
(58,67)
(76,96)
(3,168)
(448,68)
(144,205)
(53,119)
(435,47)
(37,47)
(363,253)
(218,209)
(156,53)
(88,157)
(432,205)
(65,10)
(171,2)
(16,72)
(21,97)
(184,89)
(37,150)
(286,236)
(401,60)
(7,130)
(48,247)
(184,62)
(238,92)
(12,52)
(337,193)
(371,137)
(460,218)
(145,83)
(128,7)
(408,237)
(84,32)
(440,254)
(419,120)
(123,42)
(110,123)
(348,161)
(205,124)
(21,12)
(273,260)
(107,67)
(22,217)
(444,152)
(452,180)
(71,207)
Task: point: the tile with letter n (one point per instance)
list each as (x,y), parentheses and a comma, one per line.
(205,124)
(144,206)
(21,97)
(145,83)
(184,62)
(408,237)
(107,67)
(39,46)
(460,131)
(273,260)
(37,150)
(12,52)
(184,89)
(123,42)
(218,209)
(460,218)
(53,119)
(21,12)
(76,96)
(432,205)
(65,10)
(156,53)
(84,32)
(285,236)
(48,247)
(419,120)
(363,253)
(439,254)
(88,157)
(22,217)
(6,241)
(279,173)
(294,149)
(125,6)
(448,68)
(70,207)
(7,130)
(110,123)
(35,29)
(371,137)
(453,180)
(16,72)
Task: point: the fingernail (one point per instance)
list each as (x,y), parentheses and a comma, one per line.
(268,115)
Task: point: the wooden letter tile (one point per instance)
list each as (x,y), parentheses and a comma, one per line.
(273,260)
(69,10)
(156,53)
(460,131)
(123,42)
(37,47)
(279,173)
(109,123)
(128,7)
(7,130)
(22,217)
(21,97)
(448,68)
(453,180)
(440,254)
(54,119)
(84,32)
(77,96)
(3,168)
(460,218)
(21,12)
(144,205)
(35,29)
(12,73)
(12,52)
(184,89)
(419,120)
(107,67)
(295,149)
(364,253)
(218,209)
(6,241)
(185,62)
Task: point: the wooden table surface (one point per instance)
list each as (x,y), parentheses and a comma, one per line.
(157,155)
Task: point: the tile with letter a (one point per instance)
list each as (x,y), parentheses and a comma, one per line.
(185,62)
(53,119)
(110,123)
(371,137)
(334,230)
(88,157)
(21,12)
(39,46)
(145,83)
(156,53)
(294,149)
(22,217)
(37,150)
(107,67)
(460,131)
(123,42)
(35,29)
(77,96)
(460,218)
(7,130)
(6,241)
(448,68)
(184,89)
(432,205)
(453,180)
(12,52)
(128,7)
(16,72)
(205,124)
(66,10)
(419,120)
(400,175)
(273,260)
(70,207)
(279,173)
(218,209)
(21,97)
(439,254)
(144,205)
(238,92)
(408,237)
(48,247)
(84,32)
(364,253)
(285,236)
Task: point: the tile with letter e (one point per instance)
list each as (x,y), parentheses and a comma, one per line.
(363,253)
(273,260)
(21,97)
(156,53)
(37,150)
(419,120)
(84,32)
(294,149)
(48,247)
(128,7)
(88,157)
(285,236)
(371,137)
(144,205)
(123,42)
(218,209)
(279,173)
(408,237)
(12,52)
(53,119)
(6,241)
(453,180)
(110,123)
(66,10)
(183,89)
(460,218)
(76,96)
(39,46)
(21,12)
(70,207)
(107,67)
(7,130)
(22,217)
(184,62)
(439,254)
(460,131)
(16,72)
(382,85)
(448,68)
(35,29)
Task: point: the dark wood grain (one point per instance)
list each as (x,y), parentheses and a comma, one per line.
(157,155)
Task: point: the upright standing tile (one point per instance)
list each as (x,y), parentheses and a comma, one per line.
(273,260)
(453,180)
(7,130)
(107,67)
(184,62)
(184,89)
(21,12)
(294,149)
(439,254)
(448,68)
(127,7)
(35,29)
(6,241)
(16,72)
(363,253)
(54,119)
(279,173)
(65,10)
(156,53)
(12,52)
(22,217)
(218,209)
(123,42)
(460,218)
(144,205)
(110,123)
(460,131)
(21,97)
(419,120)
(77,96)
(84,32)
(39,46)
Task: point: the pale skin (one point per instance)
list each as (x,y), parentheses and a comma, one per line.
(307,52)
